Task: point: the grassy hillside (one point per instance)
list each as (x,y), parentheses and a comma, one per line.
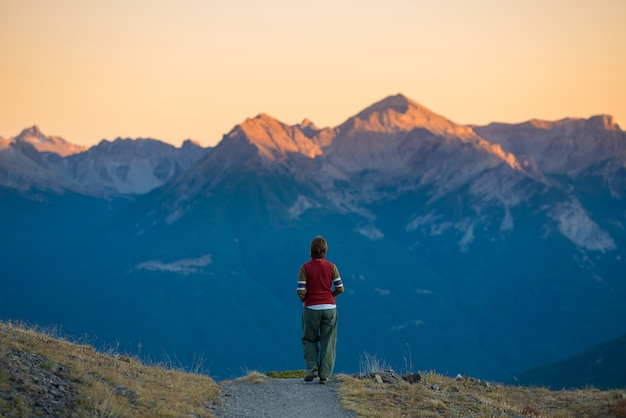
(439,396)
(45,376)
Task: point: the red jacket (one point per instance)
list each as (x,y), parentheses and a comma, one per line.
(320,275)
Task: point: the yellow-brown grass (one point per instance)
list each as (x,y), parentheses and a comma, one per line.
(120,386)
(104,382)
(253,377)
(438,396)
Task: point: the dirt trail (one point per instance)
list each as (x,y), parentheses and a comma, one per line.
(279,398)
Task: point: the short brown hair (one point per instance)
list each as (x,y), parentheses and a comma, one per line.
(318,247)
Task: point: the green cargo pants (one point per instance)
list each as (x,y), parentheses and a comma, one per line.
(319,340)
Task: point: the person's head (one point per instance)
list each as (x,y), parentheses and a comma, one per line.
(318,247)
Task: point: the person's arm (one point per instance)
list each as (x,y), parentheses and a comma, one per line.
(337,282)
(301,284)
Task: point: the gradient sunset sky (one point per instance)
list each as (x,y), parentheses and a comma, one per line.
(172,70)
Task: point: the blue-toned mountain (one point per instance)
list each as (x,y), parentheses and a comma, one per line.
(602,366)
(33,162)
(458,250)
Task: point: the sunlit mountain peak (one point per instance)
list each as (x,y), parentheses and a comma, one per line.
(399,113)
(46,143)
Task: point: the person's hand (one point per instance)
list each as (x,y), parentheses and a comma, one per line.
(338,291)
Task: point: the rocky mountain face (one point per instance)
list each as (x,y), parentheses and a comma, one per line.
(479,250)
(128,167)
(566,147)
(33,160)
(45,143)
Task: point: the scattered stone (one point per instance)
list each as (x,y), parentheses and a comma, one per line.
(412,378)
(389,376)
(38,382)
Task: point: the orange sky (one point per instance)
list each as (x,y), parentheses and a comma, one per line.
(172,70)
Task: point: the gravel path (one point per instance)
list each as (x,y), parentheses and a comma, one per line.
(279,398)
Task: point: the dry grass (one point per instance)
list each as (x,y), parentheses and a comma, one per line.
(618,408)
(287,374)
(253,377)
(113,385)
(438,396)
(117,386)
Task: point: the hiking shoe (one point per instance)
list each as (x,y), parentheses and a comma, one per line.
(312,374)
(323,381)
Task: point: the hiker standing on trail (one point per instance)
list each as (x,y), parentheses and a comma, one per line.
(318,285)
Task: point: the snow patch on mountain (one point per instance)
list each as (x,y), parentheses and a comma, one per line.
(174,216)
(421,220)
(575,224)
(382,292)
(405,325)
(371,232)
(458,164)
(612,174)
(429,224)
(301,205)
(183,267)
(468,236)
(507,223)
(499,185)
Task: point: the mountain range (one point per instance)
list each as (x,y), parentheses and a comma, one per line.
(485,250)
(33,160)
(602,366)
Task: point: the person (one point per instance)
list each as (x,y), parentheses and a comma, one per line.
(318,285)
